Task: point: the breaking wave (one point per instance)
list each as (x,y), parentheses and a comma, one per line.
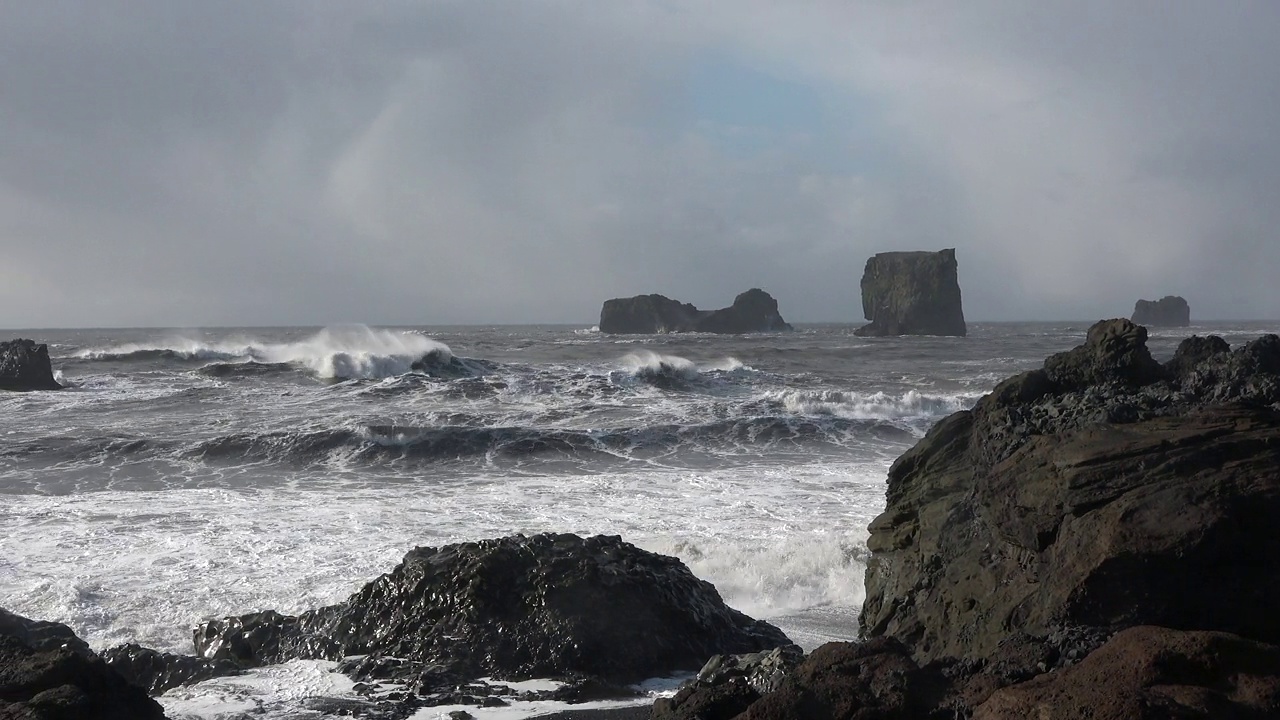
(671,372)
(911,405)
(338,353)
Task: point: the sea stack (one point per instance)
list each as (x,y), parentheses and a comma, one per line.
(912,293)
(752,311)
(24,365)
(1168,311)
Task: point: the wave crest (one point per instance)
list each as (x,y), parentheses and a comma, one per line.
(335,353)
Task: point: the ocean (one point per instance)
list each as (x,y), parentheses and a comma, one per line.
(191,474)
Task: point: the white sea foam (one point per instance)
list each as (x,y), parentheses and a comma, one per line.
(647,364)
(911,405)
(345,352)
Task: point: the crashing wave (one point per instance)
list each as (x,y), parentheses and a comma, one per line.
(670,372)
(911,405)
(336,353)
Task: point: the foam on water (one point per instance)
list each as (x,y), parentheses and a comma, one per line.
(342,352)
(911,405)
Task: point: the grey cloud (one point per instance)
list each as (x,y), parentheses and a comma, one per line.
(182,163)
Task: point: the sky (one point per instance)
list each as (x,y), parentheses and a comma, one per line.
(254,162)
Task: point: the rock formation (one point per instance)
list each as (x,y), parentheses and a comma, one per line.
(1168,311)
(47,673)
(912,293)
(515,608)
(1094,539)
(24,365)
(752,311)
(156,671)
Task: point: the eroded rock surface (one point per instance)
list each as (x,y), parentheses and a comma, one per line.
(1169,311)
(518,607)
(24,365)
(912,293)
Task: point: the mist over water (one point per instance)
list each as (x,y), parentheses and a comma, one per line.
(186,475)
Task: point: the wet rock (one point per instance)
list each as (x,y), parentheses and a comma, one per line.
(514,608)
(1169,311)
(24,365)
(61,680)
(912,293)
(156,671)
(728,684)
(752,311)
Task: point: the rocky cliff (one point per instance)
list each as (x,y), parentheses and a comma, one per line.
(24,365)
(912,293)
(1168,311)
(1094,539)
(752,311)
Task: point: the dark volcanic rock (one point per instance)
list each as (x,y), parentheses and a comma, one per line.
(157,672)
(519,607)
(1170,311)
(1102,491)
(728,684)
(1152,673)
(854,681)
(912,293)
(24,365)
(60,679)
(752,311)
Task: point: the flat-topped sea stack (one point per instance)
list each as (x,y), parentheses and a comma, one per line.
(753,311)
(1168,311)
(912,293)
(24,365)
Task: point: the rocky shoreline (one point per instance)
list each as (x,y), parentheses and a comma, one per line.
(1094,539)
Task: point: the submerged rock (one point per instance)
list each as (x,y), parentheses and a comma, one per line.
(752,311)
(514,608)
(47,673)
(912,293)
(24,365)
(1169,311)
(728,684)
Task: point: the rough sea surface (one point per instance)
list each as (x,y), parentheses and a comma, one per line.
(189,474)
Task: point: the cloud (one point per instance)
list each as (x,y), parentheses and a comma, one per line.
(186,163)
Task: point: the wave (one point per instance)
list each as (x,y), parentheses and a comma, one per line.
(671,372)
(337,353)
(911,405)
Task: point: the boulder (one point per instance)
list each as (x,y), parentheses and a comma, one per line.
(1102,491)
(1168,311)
(912,293)
(49,674)
(550,605)
(728,684)
(24,365)
(752,311)
(156,671)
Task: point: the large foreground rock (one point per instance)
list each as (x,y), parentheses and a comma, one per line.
(912,293)
(24,365)
(47,673)
(1152,673)
(1104,490)
(1168,311)
(519,607)
(753,311)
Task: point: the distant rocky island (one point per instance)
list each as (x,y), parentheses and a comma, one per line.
(752,311)
(912,293)
(1168,311)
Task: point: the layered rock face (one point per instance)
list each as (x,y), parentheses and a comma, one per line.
(24,365)
(752,311)
(1103,490)
(47,673)
(515,608)
(912,293)
(1168,311)
(1094,540)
